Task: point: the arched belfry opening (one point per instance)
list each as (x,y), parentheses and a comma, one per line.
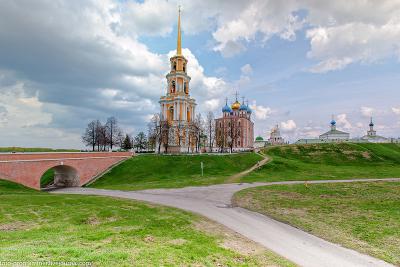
(59,176)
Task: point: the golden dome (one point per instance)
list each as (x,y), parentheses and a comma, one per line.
(236,105)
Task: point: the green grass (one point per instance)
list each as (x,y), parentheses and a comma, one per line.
(38,226)
(34,149)
(329,161)
(47,178)
(155,171)
(361,216)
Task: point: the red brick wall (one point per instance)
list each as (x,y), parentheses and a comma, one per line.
(28,168)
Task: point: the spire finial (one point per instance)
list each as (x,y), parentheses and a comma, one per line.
(236,95)
(179,41)
(243,100)
(226,101)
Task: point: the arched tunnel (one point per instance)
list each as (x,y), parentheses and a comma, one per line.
(60,176)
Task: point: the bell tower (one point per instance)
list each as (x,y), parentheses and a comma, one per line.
(177,107)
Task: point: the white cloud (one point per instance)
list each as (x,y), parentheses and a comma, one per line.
(246,69)
(212,104)
(151,17)
(367,111)
(20,111)
(260,112)
(396,110)
(288,126)
(342,121)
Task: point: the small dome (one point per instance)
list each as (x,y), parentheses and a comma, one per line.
(333,122)
(259,138)
(226,108)
(371,124)
(236,105)
(249,109)
(243,107)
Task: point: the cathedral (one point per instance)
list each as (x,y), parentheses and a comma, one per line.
(235,130)
(177,107)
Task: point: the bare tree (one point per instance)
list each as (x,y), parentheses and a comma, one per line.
(220,139)
(233,132)
(180,130)
(102,140)
(112,131)
(89,138)
(155,132)
(165,129)
(120,138)
(210,129)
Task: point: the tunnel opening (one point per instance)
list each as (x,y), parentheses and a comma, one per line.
(60,176)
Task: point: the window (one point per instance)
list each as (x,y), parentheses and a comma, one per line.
(173,87)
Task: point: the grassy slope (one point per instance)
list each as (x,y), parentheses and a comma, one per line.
(47,178)
(362,216)
(34,149)
(329,161)
(154,171)
(37,226)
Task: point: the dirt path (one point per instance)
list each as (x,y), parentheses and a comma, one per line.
(214,202)
(236,177)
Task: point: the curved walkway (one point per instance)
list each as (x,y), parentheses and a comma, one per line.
(214,202)
(236,177)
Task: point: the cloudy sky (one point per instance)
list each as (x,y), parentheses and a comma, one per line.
(64,63)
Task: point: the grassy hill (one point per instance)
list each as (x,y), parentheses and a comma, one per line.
(329,161)
(155,171)
(362,216)
(38,226)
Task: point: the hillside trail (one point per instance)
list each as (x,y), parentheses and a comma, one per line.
(236,177)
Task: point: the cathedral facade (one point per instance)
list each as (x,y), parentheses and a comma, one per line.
(235,130)
(178,109)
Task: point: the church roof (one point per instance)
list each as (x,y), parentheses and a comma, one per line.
(259,138)
(334,132)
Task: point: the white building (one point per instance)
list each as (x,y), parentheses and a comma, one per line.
(372,137)
(275,136)
(334,135)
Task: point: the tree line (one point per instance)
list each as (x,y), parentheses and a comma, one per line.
(200,133)
(108,136)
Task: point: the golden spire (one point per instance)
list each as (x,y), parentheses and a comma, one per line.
(179,41)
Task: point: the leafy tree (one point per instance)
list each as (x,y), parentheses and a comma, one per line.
(127,142)
(140,141)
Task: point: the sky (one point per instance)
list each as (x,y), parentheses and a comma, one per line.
(64,63)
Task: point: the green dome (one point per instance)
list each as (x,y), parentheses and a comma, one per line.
(259,138)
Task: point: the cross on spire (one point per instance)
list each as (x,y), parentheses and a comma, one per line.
(226,101)
(236,95)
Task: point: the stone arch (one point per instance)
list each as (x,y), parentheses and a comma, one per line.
(64,176)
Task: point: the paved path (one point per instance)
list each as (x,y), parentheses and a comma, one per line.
(214,202)
(236,177)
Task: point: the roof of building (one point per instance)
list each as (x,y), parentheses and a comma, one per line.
(226,108)
(236,105)
(243,107)
(331,132)
(259,138)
